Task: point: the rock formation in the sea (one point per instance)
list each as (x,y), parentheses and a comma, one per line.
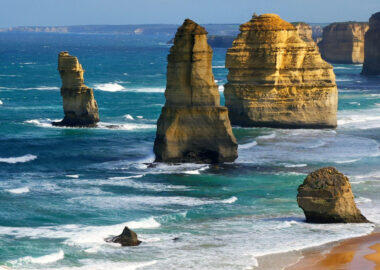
(126,238)
(326,197)
(193,127)
(371,64)
(304,31)
(277,80)
(343,42)
(79,104)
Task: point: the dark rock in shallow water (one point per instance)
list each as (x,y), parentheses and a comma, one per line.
(126,238)
(326,197)
(79,104)
(371,64)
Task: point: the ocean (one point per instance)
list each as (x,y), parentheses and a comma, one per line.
(63,190)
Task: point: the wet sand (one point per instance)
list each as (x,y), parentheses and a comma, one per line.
(361,253)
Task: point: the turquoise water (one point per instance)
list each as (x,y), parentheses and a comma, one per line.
(63,190)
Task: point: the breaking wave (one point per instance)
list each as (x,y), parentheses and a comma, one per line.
(22,159)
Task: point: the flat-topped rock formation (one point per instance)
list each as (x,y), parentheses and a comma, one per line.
(371,64)
(343,42)
(276,79)
(304,31)
(193,127)
(79,104)
(326,197)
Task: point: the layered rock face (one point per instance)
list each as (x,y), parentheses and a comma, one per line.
(343,42)
(276,79)
(304,31)
(326,197)
(79,104)
(371,64)
(193,127)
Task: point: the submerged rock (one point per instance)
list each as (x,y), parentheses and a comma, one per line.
(126,238)
(326,197)
(193,127)
(79,104)
(276,79)
(343,42)
(371,64)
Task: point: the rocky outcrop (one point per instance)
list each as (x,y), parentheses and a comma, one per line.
(276,79)
(79,104)
(371,64)
(326,197)
(193,127)
(304,31)
(343,42)
(126,238)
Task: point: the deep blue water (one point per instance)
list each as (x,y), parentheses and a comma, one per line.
(63,190)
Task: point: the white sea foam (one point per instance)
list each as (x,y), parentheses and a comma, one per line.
(46,123)
(18,190)
(129,117)
(361,200)
(28,63)
(140,117)
(267,137)
(247,145)
(9,75)
(1,103)
(43,88)
(221,88)
(354,103)
(91,264)
(126,177)
(218,67)
(72,176)
(230,200)
(287,165)
(342,80)
(360,119)
(22,159)
(50,258)
(109,87)
(347,161)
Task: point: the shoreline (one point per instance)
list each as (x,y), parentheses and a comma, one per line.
(362,252)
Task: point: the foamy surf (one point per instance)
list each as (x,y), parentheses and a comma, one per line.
(115,87)
(129,117)
(50,258)
(19,190)
(76,176)
(1,102)
(247,145)
(22,159)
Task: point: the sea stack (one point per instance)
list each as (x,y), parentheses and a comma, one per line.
(193,127)
(79,104)
(343,42)
(278,80)
(326,197)
(304,31)
(371,64)
(126,238)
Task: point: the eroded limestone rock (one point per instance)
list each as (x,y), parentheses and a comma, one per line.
(193,127)
(343,42)
(276,79)
(326,197)
(79,104)
(304,31)
(371,64)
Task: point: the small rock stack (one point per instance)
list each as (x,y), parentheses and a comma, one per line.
(276,79)
(326,197)
(193,127)
(79,104)
(371,64)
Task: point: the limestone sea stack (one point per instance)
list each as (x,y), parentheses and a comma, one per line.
(343,42)
(326,197)
(371,64)
(276,79)
(304,31)
(126,238)
(193,127)
(79,104)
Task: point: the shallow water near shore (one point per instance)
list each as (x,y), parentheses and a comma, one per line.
(63,190)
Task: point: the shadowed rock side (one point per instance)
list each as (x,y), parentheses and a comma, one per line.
(276,79)
(79,104)
(126,238)
(326,197)
(193,127)
(343,42)
(371,64)
(304,31)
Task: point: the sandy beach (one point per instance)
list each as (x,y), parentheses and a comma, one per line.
(356,253)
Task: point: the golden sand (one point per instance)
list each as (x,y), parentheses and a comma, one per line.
(362,253)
